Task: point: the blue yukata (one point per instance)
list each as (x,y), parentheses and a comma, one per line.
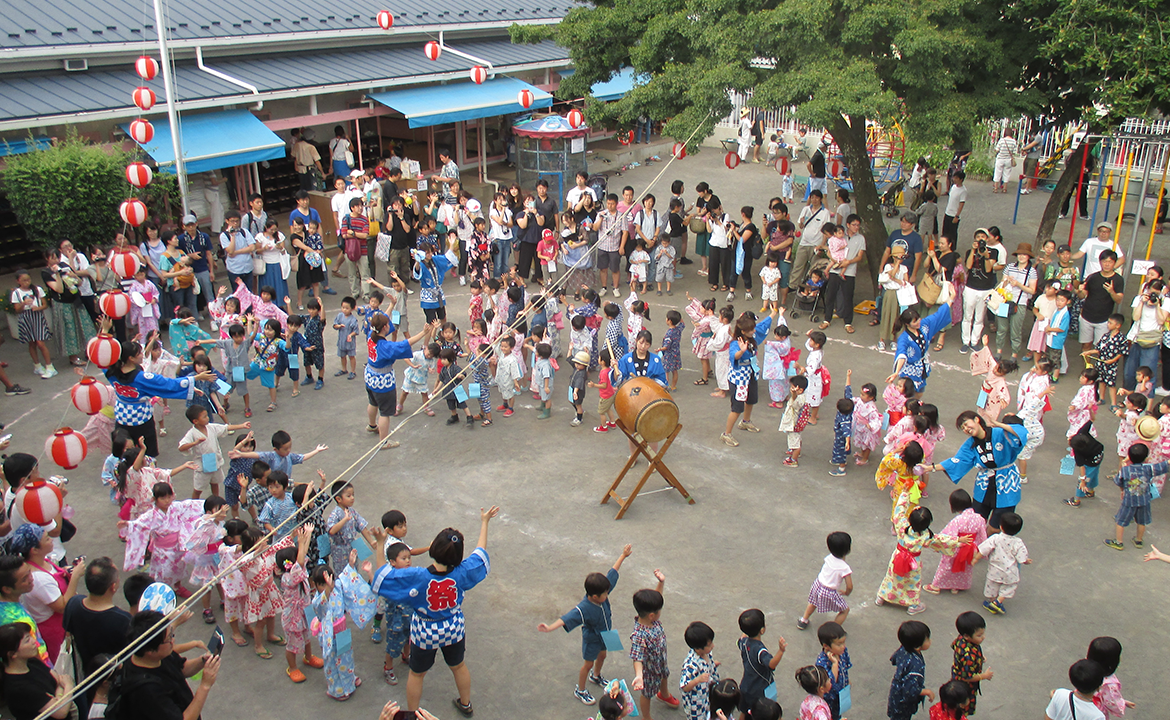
(912,347)
(672,348)
(430,279)
(593,619)
(906,687)
(183,337)
(276,512)
(437,599)
(341,542)
(314,337)
(350,595)
(837,682)
(842,431)
(628,367)
(998,483)
(133,391)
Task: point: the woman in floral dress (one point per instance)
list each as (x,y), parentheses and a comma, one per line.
(904,574)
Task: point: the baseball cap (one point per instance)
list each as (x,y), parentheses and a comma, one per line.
(190,219)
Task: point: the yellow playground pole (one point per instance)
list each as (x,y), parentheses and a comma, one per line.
(1124,192)
(1161,194)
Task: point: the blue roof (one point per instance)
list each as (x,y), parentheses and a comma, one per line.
(20,147)
(439,104)
(213,141)
(613,89)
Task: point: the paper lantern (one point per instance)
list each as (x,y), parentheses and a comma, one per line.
(478,74)
(159,597)
(679,150)
(385,20)
(782,166)
(90,396)
(67,449)
(115,303)
(731,160)
(103,350)
(144,98)
(125,264)
(576,118)
(39,501)
(138,174)
(835,168)
(141,131)
(146,67)
(525,98)
(133,211)
(432,50)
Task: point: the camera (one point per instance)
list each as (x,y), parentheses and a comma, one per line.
(982,246)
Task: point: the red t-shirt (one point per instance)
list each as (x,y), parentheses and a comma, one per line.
(603,379)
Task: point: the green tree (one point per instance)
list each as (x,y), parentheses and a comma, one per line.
(1103,60)
(938,66)
(73,190)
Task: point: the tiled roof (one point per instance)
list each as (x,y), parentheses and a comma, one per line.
(41,23)
(62,93)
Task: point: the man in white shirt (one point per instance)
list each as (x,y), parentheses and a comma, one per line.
(1092,247)
(449,172)
(1086,676)
(808,224)
(1005,155)
(575,200)
(956,199)
(305,159)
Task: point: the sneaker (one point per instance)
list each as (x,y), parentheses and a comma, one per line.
(1162,392)
(658,293)
(1062,217)
(389,676)
(601,428)
(508,412)
(470,423)
(462,280)
(881,345)
(670,293)
(992,607)
(790,462)
(376,636)
(669,700)
(730,296)
(678,275)
(453,420)
(38,369)
(728,440)
(598,680)
(802,624)
(1023,479)
(611,425)
(915,609)
(749,427)
(576,422)
(329,291)
(1115,545)
(584,696)
(837,472)
(464,710)
(747,296)
(964,349)
(319,384)
(16,390)
(50,372)
(501,408)
(1138,543)
(686,261)
(209,617)
(617,293)
(339,373)
(307,381)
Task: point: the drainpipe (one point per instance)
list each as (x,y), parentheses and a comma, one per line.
(227,78)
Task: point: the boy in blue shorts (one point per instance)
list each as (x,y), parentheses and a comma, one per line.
(592,614)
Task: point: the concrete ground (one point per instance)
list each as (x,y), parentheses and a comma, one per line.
(754,538)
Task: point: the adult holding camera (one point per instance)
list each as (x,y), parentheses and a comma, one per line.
(53,586)
(1150,312)
(983,261)
(238,247)
(808,224)
(154,679)
(721,261)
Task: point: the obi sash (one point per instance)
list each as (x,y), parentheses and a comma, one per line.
(905,561)
(965,554)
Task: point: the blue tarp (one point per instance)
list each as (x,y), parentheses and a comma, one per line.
(440,104)
(213,141)
(20,147)
(613,89)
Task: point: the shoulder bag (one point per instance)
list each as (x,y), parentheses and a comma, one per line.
(929,289)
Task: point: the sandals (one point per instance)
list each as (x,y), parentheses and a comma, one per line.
(247,412)
(1075,502)
(429,412)
(824,325)
(702,381)
(938,347)
(265,655)
(295,675)
(240,641)
(295,393)
(485,423)
(850,329)
(930,589)
(278,641)
(271,407)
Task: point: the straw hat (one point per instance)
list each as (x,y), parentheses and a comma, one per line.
(1147,428)
(744,112)
(582,358)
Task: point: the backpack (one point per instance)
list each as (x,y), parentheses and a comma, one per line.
(120,687)
(826,380)
(801,419)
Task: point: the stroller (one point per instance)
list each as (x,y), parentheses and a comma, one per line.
(598,183)
(891,197)
(810,295)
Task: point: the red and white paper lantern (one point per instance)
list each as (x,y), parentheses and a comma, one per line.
(103,350)
(90,396)
(144,98)
(731,160)
(576,118)
(67,448)
(125,264)
(146,67)
(141,131)
(133,211)
(115,303)
(477,74)
(385,19)
(525,98)
(40,501)
(138,174)
(679,150)
(782,166)
(835,167)
(432,50)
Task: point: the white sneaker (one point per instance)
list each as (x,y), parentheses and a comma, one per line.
(575,423)
(881,345)
(38,369)
(747,296)
(1162,392)
(50,371)
(462,280)
(617,293)
(730,296)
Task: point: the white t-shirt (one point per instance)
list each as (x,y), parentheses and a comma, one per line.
(718,232)
(957,196)
(17,519)
(35,293)
(1092,248)
(501,223)
(809,224)
(1149,319)
(833,572)
(576,193)
(80,264)
(338,147)
(45,590)
(1060,709)
(340,203)
(208,440)
(649,222)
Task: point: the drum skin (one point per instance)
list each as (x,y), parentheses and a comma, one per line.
(645,407)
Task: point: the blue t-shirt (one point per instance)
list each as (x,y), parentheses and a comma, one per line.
(283,464)
(199,245)
(1060,319)
(913,246)
(312,216)
(592,618)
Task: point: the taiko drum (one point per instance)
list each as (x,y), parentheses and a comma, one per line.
(647,408)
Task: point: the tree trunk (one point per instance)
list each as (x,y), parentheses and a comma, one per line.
(850,137)
(1066,184)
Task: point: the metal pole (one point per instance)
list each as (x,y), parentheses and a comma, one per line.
(1100,185)
(1158,204)
(1124,195)
(1137,215)
(172,113)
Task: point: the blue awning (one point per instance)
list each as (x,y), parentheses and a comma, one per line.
(20,147)
(213,141)
(613,89)
(439,104)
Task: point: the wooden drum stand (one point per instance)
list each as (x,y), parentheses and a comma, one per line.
(643,448)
